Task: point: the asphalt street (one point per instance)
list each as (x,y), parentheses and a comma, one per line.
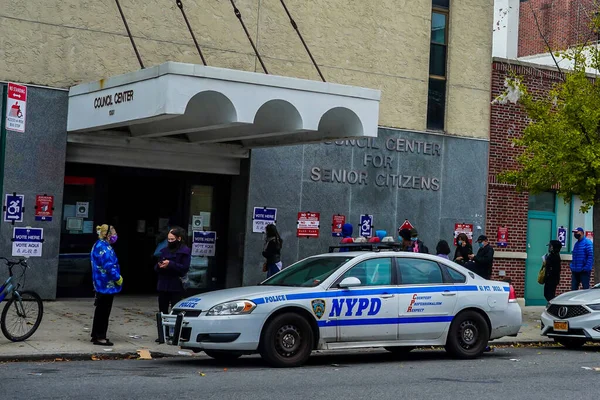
(508,373)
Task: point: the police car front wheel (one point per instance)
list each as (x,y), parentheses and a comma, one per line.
(468,336)
(287,341)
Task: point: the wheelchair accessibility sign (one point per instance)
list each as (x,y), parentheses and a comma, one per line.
(16,105)
(13,208)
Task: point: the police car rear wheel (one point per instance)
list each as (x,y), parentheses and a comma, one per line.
(287,341)
(222,355)
(468,336)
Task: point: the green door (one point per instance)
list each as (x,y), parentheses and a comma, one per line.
(539,234)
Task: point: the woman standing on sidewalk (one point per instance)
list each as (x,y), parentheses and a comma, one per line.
(172,267)
(107,279)
(272,251)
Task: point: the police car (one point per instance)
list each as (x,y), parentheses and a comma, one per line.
(348,300)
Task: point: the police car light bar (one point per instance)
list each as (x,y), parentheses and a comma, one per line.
(367,246)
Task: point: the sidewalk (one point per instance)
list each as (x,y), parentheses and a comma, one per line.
(65,331)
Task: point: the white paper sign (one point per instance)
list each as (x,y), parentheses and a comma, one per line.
(16,106)
(204,244)
(82,209)
(197,224)
(27,242)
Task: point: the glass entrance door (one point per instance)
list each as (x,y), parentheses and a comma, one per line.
(200,218)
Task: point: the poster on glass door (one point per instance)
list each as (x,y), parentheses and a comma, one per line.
(204,244)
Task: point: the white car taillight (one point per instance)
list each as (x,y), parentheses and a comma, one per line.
(512,296)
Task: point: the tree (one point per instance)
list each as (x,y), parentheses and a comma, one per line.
(560,147)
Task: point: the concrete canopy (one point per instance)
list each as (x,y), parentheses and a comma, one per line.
(187,103)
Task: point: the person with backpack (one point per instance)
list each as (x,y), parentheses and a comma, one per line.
(172,267)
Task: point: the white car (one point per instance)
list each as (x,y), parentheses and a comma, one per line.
(348,300)
(573,318)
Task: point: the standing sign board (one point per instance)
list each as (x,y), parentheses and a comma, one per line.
(308,224)
(16,105)
(502,236)
(204,244)
(44,208)
(262,217)
(27,242)
(463,228)
(562,236)
(13,208)
(337,223)
(366,225)
(406,225)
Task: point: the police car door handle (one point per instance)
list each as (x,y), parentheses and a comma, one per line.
(448,293)
(386,296)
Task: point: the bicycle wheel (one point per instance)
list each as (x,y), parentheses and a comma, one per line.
(21,318)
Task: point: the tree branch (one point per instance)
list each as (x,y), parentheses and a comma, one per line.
(537,24)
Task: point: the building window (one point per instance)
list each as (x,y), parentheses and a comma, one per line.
(438,54)
(545,201)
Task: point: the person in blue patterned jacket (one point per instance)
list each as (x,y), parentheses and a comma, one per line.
(107,280)
(583,261)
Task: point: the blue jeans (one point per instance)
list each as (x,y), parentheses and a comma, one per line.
(272,270)
(582,277)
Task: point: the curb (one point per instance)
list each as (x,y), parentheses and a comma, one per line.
(102,356)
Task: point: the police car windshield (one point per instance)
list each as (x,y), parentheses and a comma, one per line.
(307,273)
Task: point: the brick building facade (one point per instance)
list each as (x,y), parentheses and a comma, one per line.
(563,23)
(505,206)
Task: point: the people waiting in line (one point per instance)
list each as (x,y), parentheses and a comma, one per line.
(552,269)
(272,251)
(583,260)
(172,268)
(443,249)
(107,280)
(418,245)
(463,249)
(484,259)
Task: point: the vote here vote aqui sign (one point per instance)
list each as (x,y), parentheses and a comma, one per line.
(27,242)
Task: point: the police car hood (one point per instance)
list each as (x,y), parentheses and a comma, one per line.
(259,294)
(589,296)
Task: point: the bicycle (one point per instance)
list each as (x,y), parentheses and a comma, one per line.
(27,305)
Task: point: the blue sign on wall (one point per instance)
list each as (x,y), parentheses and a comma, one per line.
(204,244)
(562,236)
(366,225)
(13,208)
(262,217)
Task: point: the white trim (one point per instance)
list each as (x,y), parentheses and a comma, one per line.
(511,255)
(566,257)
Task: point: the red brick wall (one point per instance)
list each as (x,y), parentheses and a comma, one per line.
(564,23)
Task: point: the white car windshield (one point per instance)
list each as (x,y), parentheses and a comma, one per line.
(307,273)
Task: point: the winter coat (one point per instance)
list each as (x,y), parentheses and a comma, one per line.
(272,251)
(484,259)
(552,276)
(422,248)
(583,256)
(106,274)
(169,278)
(463,252)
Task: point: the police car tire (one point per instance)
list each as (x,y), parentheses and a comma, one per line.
(571,343)
(288,323)
(222,355)
(478,330)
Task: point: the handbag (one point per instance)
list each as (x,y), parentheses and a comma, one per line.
(265,268)
(542,274)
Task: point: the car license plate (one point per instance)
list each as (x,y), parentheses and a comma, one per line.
(561,326)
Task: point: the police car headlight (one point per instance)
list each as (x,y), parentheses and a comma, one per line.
(237,307)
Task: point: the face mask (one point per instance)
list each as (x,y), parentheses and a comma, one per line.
(172,245)
(578,236)
(414,239)
(112,239)
(481,244)
(460,242)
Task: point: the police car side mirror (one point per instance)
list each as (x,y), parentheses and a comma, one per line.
(349,282)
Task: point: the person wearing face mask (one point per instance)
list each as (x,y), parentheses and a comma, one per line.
(405,240)
(418,245)
(552,273)
(463,249)
(107,279)
(172,267)
(583,261)
(484,259)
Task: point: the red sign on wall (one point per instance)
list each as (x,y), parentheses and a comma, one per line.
(406,225)
(44,208)
(502,236)
(337,223)
(308,224)
(589,235)
(463,228)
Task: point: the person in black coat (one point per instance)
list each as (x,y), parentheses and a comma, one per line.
(463,249)
(172,267)
(552,276)
(484,258)
(272,251)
